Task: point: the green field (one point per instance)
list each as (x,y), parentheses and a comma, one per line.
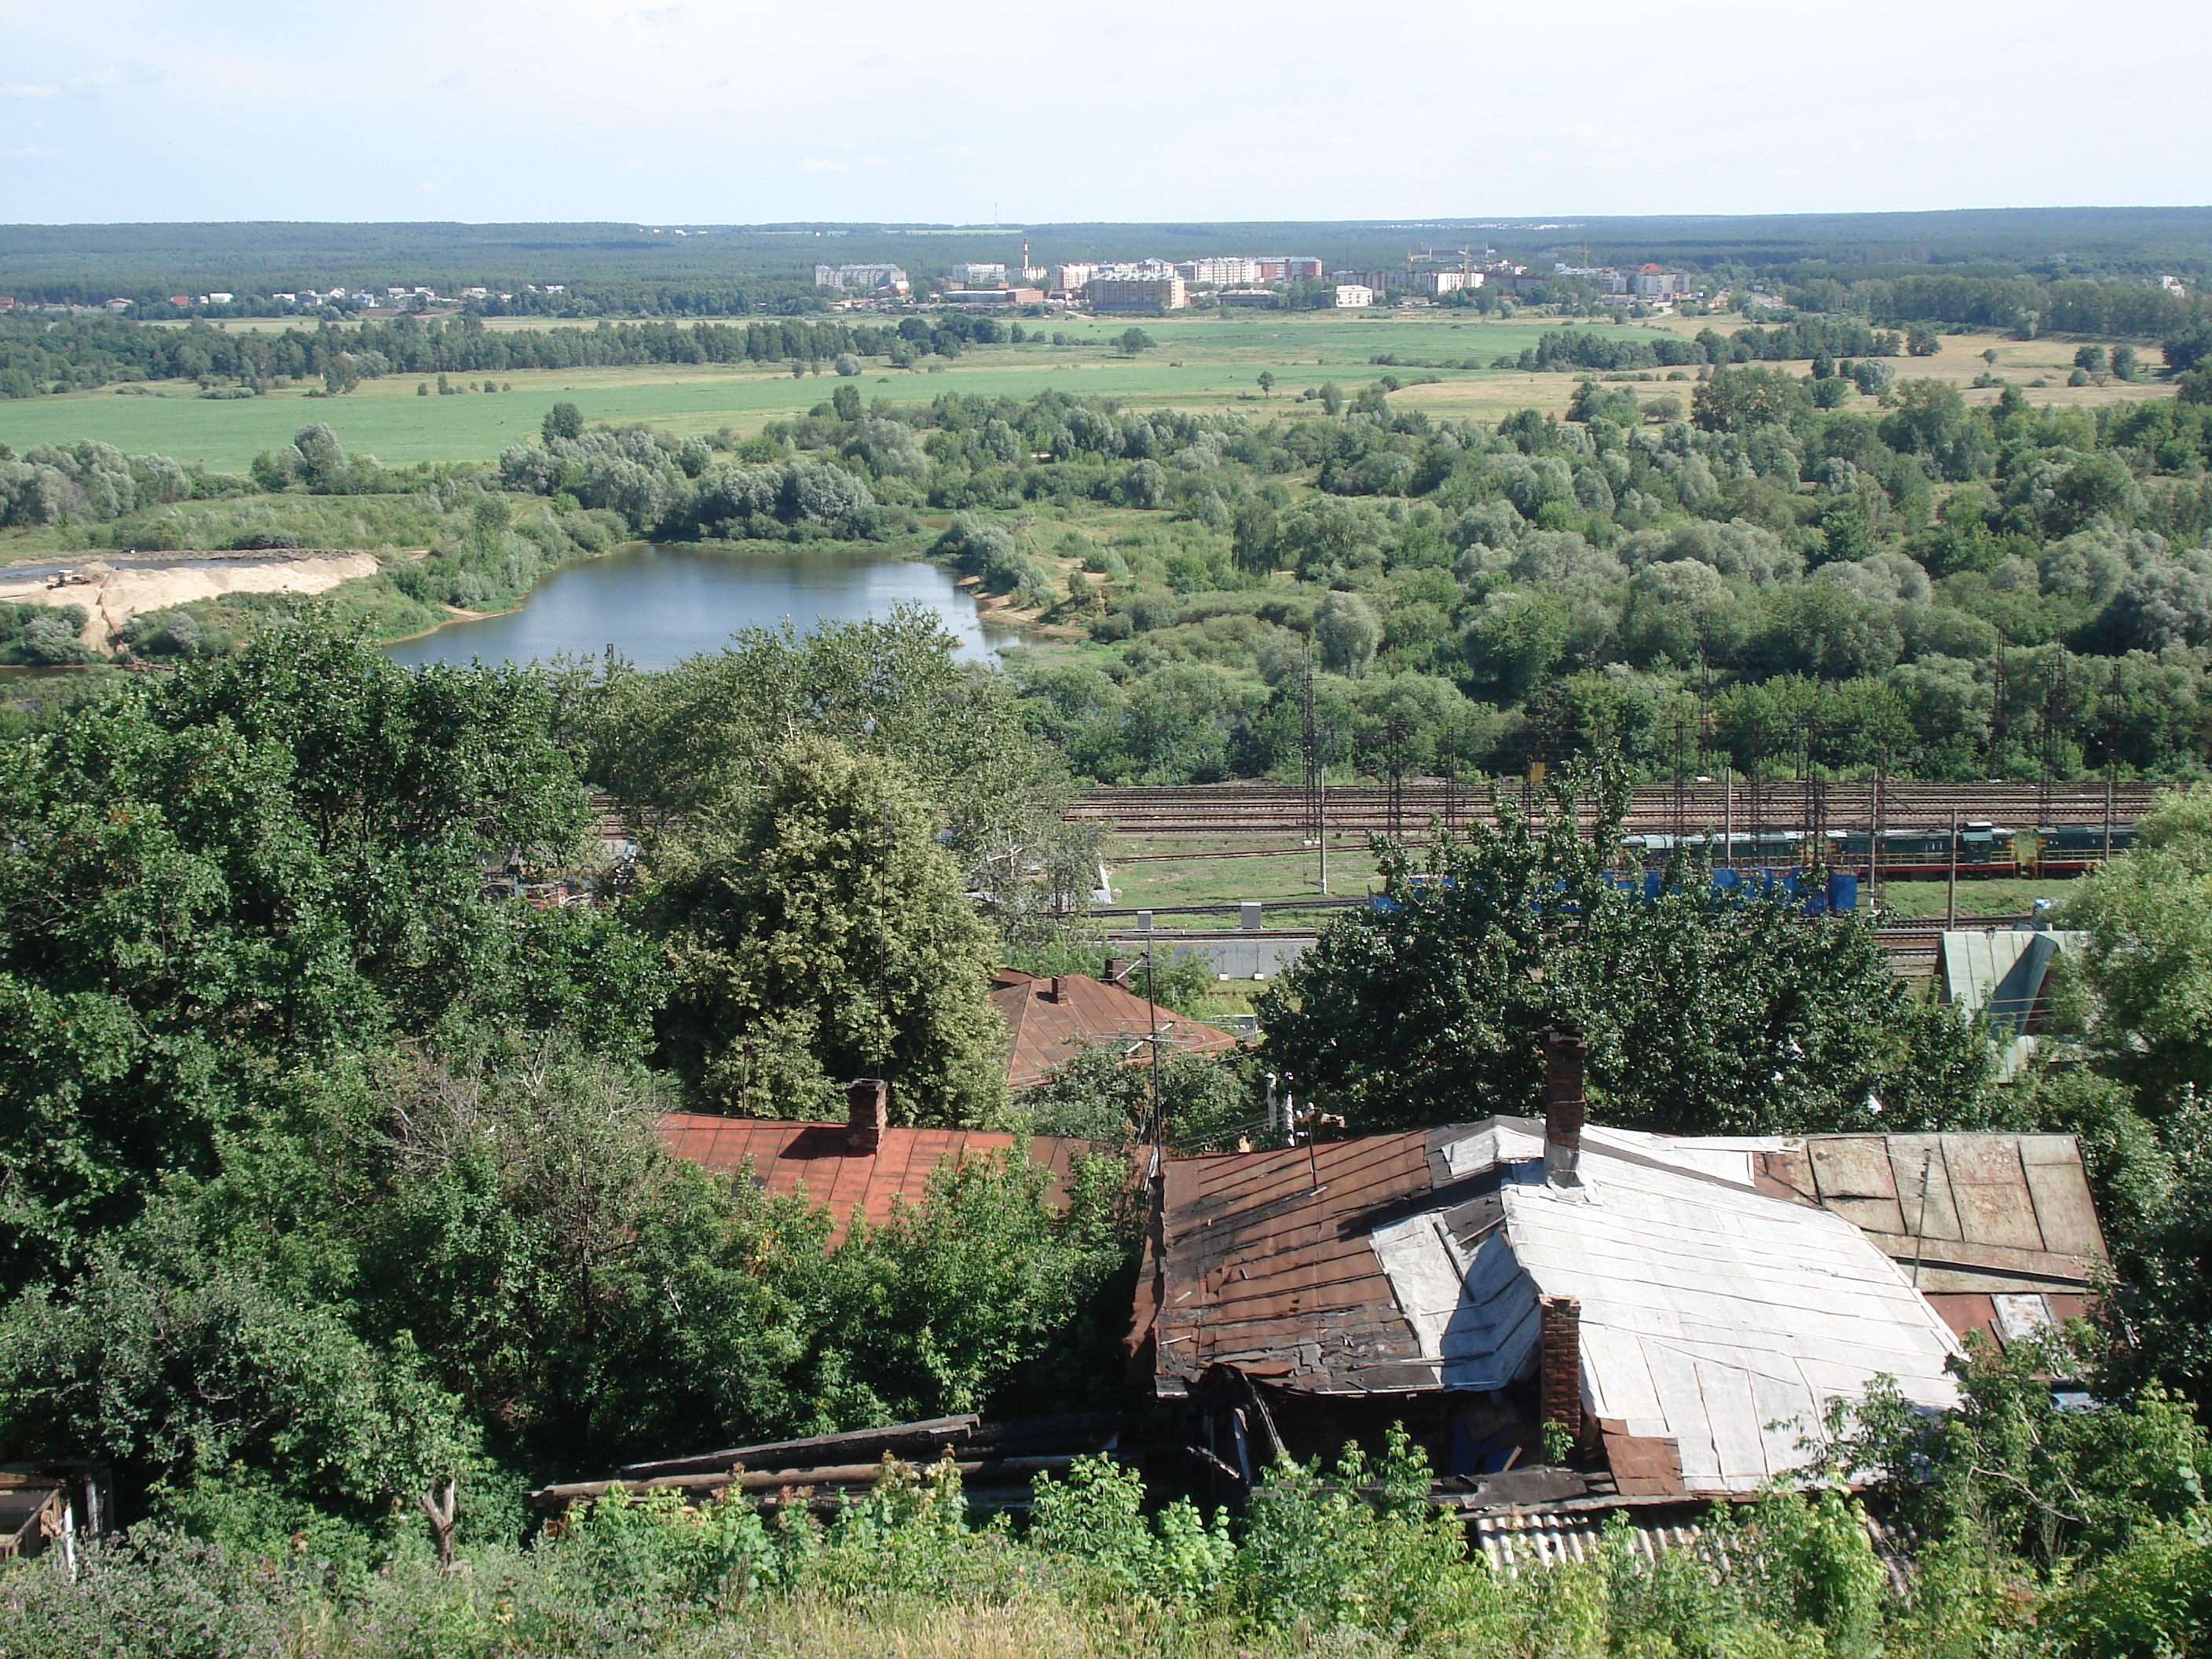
(1996,896)
(1232,880)
(1202,363)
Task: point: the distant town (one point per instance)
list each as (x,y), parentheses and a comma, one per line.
(1145,287)
(1151,286)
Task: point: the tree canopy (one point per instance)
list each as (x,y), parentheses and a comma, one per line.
(1708,1009)
(820,934)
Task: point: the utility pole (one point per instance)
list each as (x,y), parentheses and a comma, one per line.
(1152,1029)
(1727,814)
(1316,785)
(2111,754)
(1681,825)
(1873,835)
(1951,887)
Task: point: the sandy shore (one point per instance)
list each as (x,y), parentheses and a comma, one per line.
(113,595)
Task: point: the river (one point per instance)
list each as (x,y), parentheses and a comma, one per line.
(655,604)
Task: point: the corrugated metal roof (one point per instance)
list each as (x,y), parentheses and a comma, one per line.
(1726,1283)
(818,1159)
(1710,1311)
(1051,1019)
(1999,974)
(1531,1539)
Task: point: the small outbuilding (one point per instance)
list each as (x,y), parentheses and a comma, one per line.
(1051,1017)
(1684,1307)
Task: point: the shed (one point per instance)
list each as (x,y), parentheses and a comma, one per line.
(1673,1298)
(1051,1017)
(2001,974)
(55,1502)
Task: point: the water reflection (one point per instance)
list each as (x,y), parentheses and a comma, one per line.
(656,605)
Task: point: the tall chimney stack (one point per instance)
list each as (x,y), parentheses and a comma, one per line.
(1565,1109)
(1559,1362)
(868,1113)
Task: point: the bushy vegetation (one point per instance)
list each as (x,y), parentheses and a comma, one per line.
(330,1171)
(1905,582)
(1346,1558)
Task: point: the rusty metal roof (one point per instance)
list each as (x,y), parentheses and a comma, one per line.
(1050,1019)
(2002,1212)
(820,1160)
(1261,1261)
(1410,1262)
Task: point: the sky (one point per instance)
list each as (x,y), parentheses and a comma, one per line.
(494,111)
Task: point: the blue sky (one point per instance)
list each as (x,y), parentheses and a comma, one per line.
(685,113)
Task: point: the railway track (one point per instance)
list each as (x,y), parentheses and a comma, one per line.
(1275,811)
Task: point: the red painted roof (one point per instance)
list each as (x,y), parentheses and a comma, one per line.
(814,1158)
(1048,1020)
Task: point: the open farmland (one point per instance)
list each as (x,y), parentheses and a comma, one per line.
(1210,361)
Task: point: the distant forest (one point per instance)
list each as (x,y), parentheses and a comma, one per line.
(630,269)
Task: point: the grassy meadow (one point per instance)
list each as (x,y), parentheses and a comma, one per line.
(1208,361)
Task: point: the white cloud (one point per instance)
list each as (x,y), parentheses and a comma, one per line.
(33,92)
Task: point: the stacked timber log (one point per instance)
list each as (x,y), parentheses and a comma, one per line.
(996,1462)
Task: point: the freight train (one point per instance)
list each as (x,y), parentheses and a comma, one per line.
(1979,848)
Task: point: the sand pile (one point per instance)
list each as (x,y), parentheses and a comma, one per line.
(112,596)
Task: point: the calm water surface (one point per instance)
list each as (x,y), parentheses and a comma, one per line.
(657,604)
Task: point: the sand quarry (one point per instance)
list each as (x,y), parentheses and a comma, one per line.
(112,594)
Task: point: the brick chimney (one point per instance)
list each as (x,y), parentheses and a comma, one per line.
(1052,991)
(1559,1363)
(868,1113)
(1117,969)
(1565,1109)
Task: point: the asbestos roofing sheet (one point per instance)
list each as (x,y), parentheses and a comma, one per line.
(2065,1214)
(1856,1180)
(1926,1208)
(1425,1272)
(1725,1304)
(1489,1145)
(1725,1157)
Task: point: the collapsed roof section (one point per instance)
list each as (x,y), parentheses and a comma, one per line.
(1706,1290)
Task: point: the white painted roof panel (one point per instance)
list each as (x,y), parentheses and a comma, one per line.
(1710,1311)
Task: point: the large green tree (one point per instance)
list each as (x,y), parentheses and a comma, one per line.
(266,862)
(696,739)
(1707,1010)
(2146,967)
(820,934)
